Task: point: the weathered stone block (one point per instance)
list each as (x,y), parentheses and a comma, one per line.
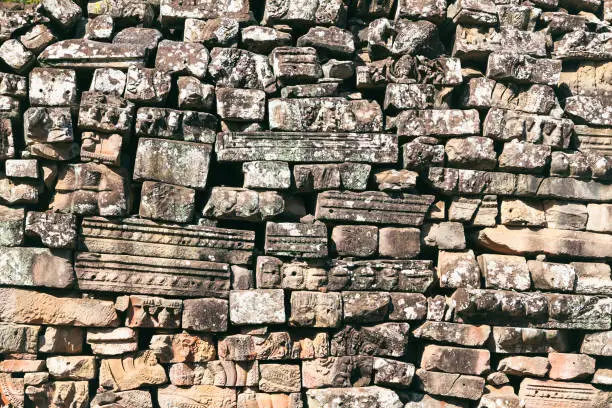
(36,267)
(437,122)
(264,306)
(205,315)
(182,58)
(295,239)
(174,162)
(316,177)
(112,341)
(241,105)
(455,360)
(315,309)
(504,272)
(399,243)
(568,367)
(148,311)
(87,54)
(355,240)
(357,397)
(166,202)
(450,385)
(552,276)
(274,175)
(407,306)
(194,94)
(457,333)
(165,123)
(105,113)
(72,367)
(131,372)
(279,378)
(52,87)
(147,86)
(458,269)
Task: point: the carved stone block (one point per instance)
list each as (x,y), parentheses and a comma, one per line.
(295,239)
(167,202)
(437,122)
(237,68)
(148,311)
(87,54)
(105,113)
(357,397)
(70,393)
(348,371)
(147,85)
(241,204)
(112,341)
(315,309)
(131,372)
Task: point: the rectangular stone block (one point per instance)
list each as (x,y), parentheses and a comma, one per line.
(456,333)
(455,360)
(36,267)
(552,276)
(347,371)
(18,338)
(407,306)
(166,202)
(357,397)
(173,124)
(241,105)
(174,162)
(26,306)
(263,306)
(295,239)
(538,393)
(450,385)
(86,54)
(524,340)
(52,87)
(385,339)
(151,275)
(307,147)
(389,275)
(197,396)
(504,125)
(279,378)
(174,12)
(437,122)
(148,311)
(373,207)
(315,309)
(325,115)
(206,314)
(583,45)
(7,143)
(505,272)
(105,113)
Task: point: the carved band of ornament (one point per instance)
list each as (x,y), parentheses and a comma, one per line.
(286,239)
(202,236)
(97,156)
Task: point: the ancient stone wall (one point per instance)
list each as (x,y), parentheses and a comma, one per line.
(306,204)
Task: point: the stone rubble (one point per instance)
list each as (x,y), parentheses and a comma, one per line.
(306,204)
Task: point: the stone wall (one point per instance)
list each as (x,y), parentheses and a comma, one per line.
(306,204)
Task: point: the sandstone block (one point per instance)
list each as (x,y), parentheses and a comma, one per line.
(131,372)
(11,226)
(53,229)
(194,94)
(445,236)
(365,307)
(182,58)
(52,87)
(524,366)
(62,340)
(167,202)
(348,371)
(264,306)
(450,385)
(597,344)
(274,175)
(173,162)
(205,315)
(399,243)
(199,395)
(568,367)
(72,368)
(457,333)
(357,397)
(241,104)
(504,272)
(183,347)
(455,360)
(355,240)
(112,341)
(18,338)
(243,204)
(71,393)
(279,378)
(315,309)
(263,40)
(407,306)
(458,269)
(36,267)
(552,276)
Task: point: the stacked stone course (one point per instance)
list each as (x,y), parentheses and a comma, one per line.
(306,204)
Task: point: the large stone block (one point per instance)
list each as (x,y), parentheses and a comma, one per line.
(357,397)
(315,309)
(87,54)
(173,162)
(295,239)
(205,314)
(231,203)
(264,306)
(36,267)
(455,360)
(25,306)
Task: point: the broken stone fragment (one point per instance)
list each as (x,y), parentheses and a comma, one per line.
(173,162)
(36,267)
(72,367)
(458,269)
(348,371)
(422,152)
(589,109)
(25,306)
(316,177)
(264,306)
(194,94)
(148,311)
(241,105)
(295,65)
(568,367)
(262,40)
(279,378)
(396,180)
(108,80)
(323,13)
(182,58)
(597,344)
(529,340)
(99,28)
(12,193)
(445,236)
(407,306)
(475,43)
(242,204)
(470,12)
(455,360)
(11,226)
(86,54)
(355,240)
(183,347)
(18,338)
(274,175)
(522,366)
(332,115)
(315,309)
(71,393)
(61,340)
(335,69)
(112,341)
(18,58)
(504,272)
(432,10)
(505,125)
(237,68)
(583,45)
(64,13)
(205,314)
(549,241)
(329,42)
(147,86)
(437,122)
(450,385)
(211,396)
(457,333)
(365,307)
(473,152)
(54,230)
(356,397)
(91,189)
(295,239)
(399,243)
(552,276)
(122,399)
(131,372)
(217,32)
(37,38)
(167,202)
